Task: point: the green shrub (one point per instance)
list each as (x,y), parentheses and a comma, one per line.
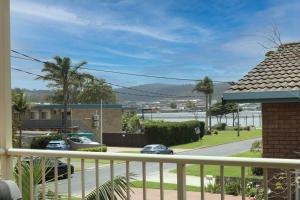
(233,188)
(256,146)
(220,126)
(213,188)
(172,133)
(42,141)
(257,171)
(94,149)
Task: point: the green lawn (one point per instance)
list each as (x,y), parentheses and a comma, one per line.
(167,186)
(229,171)
(222,138)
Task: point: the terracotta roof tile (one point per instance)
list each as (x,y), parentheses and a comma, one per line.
(279,71)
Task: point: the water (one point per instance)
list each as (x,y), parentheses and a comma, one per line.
(247,118)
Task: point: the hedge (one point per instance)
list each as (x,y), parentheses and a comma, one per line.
(42,141)
(172,133)
(94,149)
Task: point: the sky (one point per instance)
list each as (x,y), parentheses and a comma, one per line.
(178,38)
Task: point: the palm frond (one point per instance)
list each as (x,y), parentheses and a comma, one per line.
(120,188)
(37,176)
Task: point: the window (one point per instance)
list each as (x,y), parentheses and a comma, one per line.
(45,115)
(34,115)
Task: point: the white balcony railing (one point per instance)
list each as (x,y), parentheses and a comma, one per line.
(180,161)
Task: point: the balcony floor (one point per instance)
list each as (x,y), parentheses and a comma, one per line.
(172,194)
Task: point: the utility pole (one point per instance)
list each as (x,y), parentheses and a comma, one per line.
(101,122)
(96,121)
(238,118)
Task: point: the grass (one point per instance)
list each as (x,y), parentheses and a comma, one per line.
(167,186)
(229,171)
(222,138)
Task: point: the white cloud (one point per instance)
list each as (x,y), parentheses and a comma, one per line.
(105,64)
(165,28)
(54,13)
(244,45)
(145,56)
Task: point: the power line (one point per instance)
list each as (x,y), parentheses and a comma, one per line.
(29,57)
(126,93)
(26,72)
(122,73)
(149,92)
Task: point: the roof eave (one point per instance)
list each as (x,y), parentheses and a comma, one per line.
(262,96)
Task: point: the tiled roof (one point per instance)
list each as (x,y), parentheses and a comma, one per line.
(280,71)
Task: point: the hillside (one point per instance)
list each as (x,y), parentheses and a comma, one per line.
(167,89)
(162,91)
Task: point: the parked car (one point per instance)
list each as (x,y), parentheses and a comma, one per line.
(62,168)
(157,149)
(57,145)
(82,142)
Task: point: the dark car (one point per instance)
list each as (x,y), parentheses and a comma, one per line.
(62,168)
(157,149)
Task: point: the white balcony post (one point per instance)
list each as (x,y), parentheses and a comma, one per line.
(181,182)
(5,88)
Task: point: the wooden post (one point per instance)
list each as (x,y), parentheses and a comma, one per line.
(5,89)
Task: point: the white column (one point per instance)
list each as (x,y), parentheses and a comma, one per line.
(5,88)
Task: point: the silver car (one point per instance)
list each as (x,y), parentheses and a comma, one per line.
(156,149)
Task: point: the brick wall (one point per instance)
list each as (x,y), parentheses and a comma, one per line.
(281,130)
(281,138)
(112,120)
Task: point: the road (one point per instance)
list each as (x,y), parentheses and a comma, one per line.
(151,168)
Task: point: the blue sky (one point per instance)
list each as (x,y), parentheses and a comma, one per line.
(186,39)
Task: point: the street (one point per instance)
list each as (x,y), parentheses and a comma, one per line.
(151,168)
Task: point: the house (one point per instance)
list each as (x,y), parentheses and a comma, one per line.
(275,83)
(80,117)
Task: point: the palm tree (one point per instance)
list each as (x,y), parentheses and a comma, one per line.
(104,190)
(206,87)
(120,182)
(19,107)
(63,75)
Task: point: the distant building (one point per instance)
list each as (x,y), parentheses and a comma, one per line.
(49,117)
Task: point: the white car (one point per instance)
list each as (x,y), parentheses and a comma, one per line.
(82,142)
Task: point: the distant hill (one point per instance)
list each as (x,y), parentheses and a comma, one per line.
(167,89)
(37,95)
(159,88)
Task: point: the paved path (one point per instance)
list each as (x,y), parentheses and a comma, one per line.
(152,168)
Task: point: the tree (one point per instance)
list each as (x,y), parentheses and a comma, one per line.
(192,107)
(63,76)
(19,107)
(173,105)
(233,108)
(93,90)
(206,87)
(218,110)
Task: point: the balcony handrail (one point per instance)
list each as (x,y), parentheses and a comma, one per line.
(181,159)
